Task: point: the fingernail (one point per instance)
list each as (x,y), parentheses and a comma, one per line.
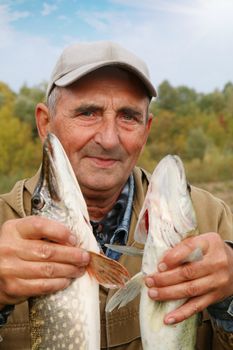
(153,293)
(162,267)
(80,271)
(66,284)
(149,282)
(171,320)
(85,257)
(72,240)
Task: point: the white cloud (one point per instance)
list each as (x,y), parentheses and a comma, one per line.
(24,58)
(5,28)
(185,49)
(101,20)
(200,8)
(10,16)
(172,6)
(48,9)
(63,18)
(8,36)
(30,60)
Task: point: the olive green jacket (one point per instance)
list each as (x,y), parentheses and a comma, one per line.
(120,330)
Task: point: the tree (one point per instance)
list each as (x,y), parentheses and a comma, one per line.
(196,144)
(7,96)
(26,100)
(167,96)
(19,154)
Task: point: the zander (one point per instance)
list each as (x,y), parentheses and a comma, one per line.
(69,319)
(166,218)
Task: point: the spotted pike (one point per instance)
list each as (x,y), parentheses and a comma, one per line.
(166,218)
(69,319)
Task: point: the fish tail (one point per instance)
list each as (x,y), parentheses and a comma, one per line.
(124,295)
(124,249)
(108,272)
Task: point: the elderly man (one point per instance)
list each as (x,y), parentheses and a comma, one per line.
(97,105)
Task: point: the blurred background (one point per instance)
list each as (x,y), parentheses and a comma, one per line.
(188,46)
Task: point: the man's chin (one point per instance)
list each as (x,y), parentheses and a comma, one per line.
(102,179)
(101,184)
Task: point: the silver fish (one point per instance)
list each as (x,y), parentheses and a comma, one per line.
(69,319)
(166,218)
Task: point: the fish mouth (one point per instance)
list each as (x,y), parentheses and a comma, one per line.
(48,172)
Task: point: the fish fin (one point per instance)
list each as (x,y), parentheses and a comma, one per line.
(142,227)
(124,295)
(108,272)
(195,255)
(132,251)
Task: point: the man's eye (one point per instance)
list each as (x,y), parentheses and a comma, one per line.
(128,117)
(88,113)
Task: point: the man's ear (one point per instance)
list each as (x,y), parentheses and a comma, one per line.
(149,121)
(42,120)
(148,127)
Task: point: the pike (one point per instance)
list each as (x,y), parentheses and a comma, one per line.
(69,319)
(167,217)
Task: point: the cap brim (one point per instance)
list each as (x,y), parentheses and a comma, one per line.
(78,73)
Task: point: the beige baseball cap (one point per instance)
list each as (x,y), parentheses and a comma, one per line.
(80,59)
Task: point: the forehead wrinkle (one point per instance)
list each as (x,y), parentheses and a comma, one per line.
(98,102)
(133,111)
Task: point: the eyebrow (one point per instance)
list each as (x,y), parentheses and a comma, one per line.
(94,107)
(86,106)
(130,111)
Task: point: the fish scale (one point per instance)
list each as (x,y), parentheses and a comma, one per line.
(70,318)
(167,217)
(62,326)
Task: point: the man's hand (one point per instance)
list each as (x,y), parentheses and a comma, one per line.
(202,282)
(37,256)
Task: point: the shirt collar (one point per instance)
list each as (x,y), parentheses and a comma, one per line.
(114,227)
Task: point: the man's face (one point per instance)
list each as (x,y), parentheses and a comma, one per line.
(101,123)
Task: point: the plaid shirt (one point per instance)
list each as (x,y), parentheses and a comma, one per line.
(114,227)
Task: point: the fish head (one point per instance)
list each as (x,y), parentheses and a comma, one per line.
(170,194)
(57,192)
(168,210)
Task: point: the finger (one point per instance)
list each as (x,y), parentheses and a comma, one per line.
(182,251)
(180,274)
(188,309)
(22,289)
(183,290)
(37,270)
(9,300)
(47,251)
(37,227)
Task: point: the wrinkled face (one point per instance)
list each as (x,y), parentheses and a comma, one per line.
(101,121)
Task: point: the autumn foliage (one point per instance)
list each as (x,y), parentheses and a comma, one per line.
(196,126)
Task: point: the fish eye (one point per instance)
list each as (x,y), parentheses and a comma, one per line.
(38,201)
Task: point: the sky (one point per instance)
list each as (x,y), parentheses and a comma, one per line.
(187,42)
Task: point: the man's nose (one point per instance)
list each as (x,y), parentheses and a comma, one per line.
(107,134)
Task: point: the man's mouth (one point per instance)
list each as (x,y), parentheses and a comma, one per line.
(103,162)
